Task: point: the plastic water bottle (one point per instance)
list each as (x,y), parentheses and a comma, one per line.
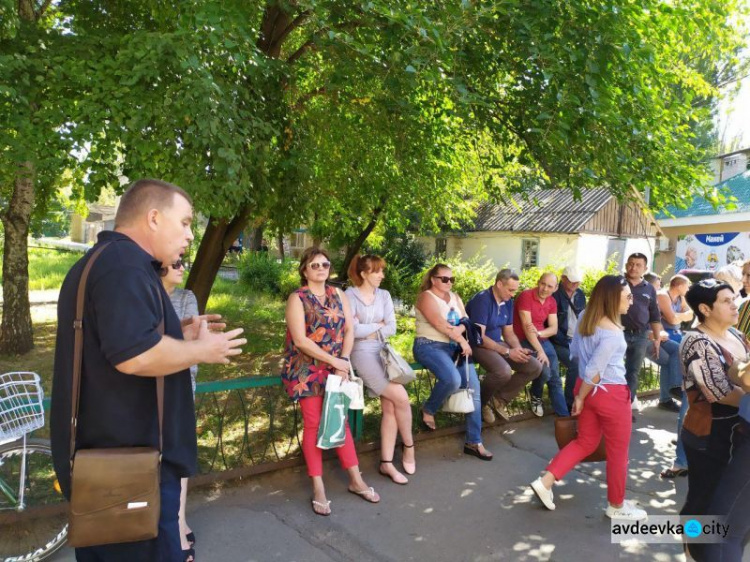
(453,319)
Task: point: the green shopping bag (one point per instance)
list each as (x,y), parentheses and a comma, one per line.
(332,430)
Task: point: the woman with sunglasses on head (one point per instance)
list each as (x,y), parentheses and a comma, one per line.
(319,340)
(602,398)
(439,336)
(374,322)
(708,353)
(186,306)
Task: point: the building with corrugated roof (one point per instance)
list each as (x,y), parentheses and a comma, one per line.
(553,228)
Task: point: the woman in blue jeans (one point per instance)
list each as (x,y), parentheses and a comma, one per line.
(439,339)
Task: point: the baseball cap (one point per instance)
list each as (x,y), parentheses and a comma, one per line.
(572,274)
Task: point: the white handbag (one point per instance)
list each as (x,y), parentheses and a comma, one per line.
(396,367)
(354,388)
(461,401)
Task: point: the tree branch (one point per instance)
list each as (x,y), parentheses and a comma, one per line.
(306,46)
(308,96)
(294,24)
(310,43)
(43,8)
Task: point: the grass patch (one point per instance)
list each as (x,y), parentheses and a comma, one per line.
(262,317)
(48,268)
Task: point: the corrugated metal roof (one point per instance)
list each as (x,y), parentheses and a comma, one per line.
(739,186)
(556,211)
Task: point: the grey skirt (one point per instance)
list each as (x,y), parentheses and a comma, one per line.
(368,365)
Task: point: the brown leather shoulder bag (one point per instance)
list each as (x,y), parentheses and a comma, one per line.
(115,496)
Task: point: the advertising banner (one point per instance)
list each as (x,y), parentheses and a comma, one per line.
(711,251)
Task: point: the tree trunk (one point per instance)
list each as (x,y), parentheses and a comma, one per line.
(219,236)
(353,248)
(16,333)
(256,240)
(280,242)
(275,28)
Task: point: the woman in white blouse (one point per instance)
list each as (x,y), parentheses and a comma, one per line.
(374,322)
(602,398)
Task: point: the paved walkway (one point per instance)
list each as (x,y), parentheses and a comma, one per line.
(456,508)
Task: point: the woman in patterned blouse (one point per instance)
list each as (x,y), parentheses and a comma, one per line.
(320,336)
(707,353)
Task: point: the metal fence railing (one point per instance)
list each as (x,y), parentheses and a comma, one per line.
(250,421)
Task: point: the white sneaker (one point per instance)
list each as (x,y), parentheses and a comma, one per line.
(635,405)
(537,408)
(628,512)
(487,415)
(543,494)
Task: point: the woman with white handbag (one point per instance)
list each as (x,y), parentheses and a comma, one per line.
(374,322)
(439,334)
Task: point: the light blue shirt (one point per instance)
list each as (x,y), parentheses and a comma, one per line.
(602,353)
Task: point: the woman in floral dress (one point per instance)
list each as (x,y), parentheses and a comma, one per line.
(320,336)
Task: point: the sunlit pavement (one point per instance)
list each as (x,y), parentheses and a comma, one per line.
(455,508)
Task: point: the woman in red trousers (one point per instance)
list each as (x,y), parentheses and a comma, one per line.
(602,401)
(319,339)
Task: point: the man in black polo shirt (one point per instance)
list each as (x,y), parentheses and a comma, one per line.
(123,352)
(642,316)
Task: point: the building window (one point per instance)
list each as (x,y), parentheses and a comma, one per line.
(441,246)
(529,252)
(299,239)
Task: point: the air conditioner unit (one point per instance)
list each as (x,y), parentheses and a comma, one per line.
(665,244)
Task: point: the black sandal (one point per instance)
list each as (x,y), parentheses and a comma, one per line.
(670,473)
(474,452)
(190,538)
(189,555)
(412,466)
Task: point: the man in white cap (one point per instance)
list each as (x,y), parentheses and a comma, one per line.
(570,302)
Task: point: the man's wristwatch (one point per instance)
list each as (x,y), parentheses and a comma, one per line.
(507,353)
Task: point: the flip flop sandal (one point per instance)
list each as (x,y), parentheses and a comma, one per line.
(188,555)
(322,505)
(670,473)
(367,495)
(190,538)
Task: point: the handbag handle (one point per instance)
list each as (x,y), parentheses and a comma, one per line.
(466,366)
(78,357)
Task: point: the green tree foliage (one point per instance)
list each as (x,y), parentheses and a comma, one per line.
(340,114)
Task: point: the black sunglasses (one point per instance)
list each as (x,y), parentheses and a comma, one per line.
(317,265)
(178,264)
(445,278)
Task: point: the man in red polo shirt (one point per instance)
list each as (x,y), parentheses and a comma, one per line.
(534,322)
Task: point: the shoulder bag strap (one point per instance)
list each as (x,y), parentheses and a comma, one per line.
(78,357)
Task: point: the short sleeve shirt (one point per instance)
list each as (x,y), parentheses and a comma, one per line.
(484,309)
(644,310)
(125,303)
(529,301)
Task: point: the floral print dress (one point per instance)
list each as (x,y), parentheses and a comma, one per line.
(302,375)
